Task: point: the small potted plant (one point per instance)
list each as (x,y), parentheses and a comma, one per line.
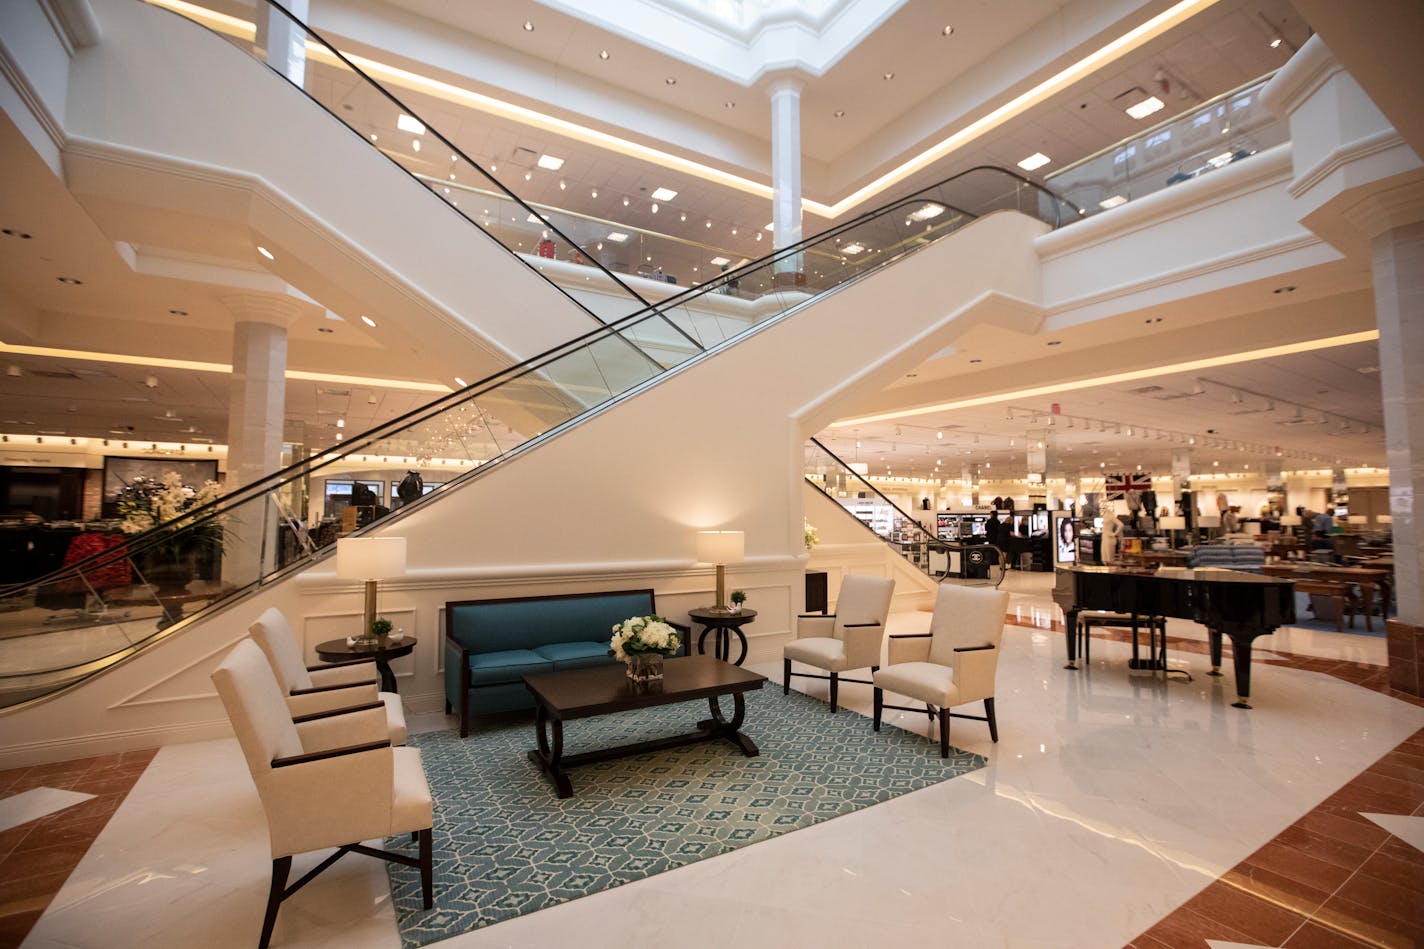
(738,597)
(380,629)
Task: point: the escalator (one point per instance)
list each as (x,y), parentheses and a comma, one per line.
(83,619)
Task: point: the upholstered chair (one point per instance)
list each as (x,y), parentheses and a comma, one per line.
(954,663)
(315,689)
(849,638)
(333,780)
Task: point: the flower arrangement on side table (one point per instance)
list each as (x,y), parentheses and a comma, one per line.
(641,642)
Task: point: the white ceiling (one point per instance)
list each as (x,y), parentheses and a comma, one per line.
(885,121)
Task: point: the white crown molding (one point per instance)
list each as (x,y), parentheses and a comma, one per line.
(1300,78)
(1379,143)
(73,22)
(47,121)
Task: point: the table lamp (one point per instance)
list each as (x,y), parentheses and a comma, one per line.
(1209,521)
(1385,518)
(370,559)
(721,548)
(1172,524)
(1290,520)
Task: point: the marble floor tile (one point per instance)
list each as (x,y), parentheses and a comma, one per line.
(35,803)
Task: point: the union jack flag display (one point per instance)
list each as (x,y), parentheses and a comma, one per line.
(1116,486)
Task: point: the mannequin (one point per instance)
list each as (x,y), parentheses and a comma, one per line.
(1112,535)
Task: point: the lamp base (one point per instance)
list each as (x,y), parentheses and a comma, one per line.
(721,610)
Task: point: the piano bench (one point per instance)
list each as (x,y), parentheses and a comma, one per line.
(1088,619)
(1340,596)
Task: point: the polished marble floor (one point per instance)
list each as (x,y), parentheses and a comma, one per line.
(1111,802)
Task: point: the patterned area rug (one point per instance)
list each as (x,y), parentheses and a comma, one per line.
(506,846)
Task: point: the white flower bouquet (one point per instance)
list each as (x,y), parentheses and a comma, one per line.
(813,537)
(643,634)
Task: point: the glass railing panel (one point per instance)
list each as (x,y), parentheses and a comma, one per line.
(941,559)
(1219,132)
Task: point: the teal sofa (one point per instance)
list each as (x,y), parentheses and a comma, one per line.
(490,645)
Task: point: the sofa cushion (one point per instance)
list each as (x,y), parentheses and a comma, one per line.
(575,655)
(489,668)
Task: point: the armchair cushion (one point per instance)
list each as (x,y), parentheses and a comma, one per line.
(823,653)
(926,681)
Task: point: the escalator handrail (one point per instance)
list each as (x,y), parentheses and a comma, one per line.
(321,458)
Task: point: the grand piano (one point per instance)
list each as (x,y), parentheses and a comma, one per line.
(1240,605)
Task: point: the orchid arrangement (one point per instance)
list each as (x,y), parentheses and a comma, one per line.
(812,537)
(148,503)
(643,634)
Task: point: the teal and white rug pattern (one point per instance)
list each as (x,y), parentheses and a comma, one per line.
(505,845)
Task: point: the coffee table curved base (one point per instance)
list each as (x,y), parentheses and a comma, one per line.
(550,757)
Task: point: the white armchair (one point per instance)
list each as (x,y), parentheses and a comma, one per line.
(312,690)
(954,663)
(333,781)
(849,638)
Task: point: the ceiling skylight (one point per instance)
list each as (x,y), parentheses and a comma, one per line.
(664,194)
(409,124)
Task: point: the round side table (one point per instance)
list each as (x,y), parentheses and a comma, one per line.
(338,650)
(722,626)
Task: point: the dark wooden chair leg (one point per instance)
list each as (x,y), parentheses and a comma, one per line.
(414,836)
(835,685)
(993,722)
(280,868)
(427,866)
(879,705)
(447,707)
(943,733)
(786,677)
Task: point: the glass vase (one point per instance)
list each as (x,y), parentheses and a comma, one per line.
(645,666)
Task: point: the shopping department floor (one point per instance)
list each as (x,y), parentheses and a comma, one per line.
(1116,808)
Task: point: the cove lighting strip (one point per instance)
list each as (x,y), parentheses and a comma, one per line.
(158,362)
(1116,377)
(1058,82)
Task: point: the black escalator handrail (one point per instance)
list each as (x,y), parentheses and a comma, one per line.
(930,538)
(322,458)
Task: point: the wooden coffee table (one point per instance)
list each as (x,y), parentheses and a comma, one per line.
(583,693)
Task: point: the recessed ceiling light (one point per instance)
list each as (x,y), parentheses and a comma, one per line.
(654,208)
(683,217)
(460,382)
(1036,160)
(1055,342)
(947,31)
(72,281)
(709,223)
(888,76)
(593,193)
(415,144)
(1112,202)
(551,162)
(179,312)
(528,176)
(11,232)
(1285,289)
(976,360)
(855,248)
(719,261)
(671,80)
(927,211)
(1145,107)
(368,321)
(664,194)
(729,104)
(528,26)
(325,329)
(839,113)
(603,54)
(407,123)
(1276,42)
(617,237)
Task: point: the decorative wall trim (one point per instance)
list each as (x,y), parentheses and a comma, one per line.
(107,743)
(44,118)
(1376,144)
(132,700)
(73,22)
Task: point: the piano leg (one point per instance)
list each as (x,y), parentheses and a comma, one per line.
(1213,637)
(1070,632)
(1241,659)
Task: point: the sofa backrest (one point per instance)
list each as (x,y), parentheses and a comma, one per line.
(1246,557)
(532,621)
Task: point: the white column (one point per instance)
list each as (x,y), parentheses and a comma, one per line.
(1398,271)
(281,41)
(256,411)
(786,175)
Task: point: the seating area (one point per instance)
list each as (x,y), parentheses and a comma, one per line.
(849,638)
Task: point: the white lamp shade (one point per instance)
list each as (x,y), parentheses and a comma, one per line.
(1385,518)
(370,558)
(721,546)
(1358,519)
(1290,520)
(1209,520)
(1172,523)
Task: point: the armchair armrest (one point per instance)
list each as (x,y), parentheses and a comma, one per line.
(313,716)
(310,756)
(355,727)
(862,644)
(325,688)
(345,673)
(974,672)
(908,647)
(973,648)
(815,625)
(331,698)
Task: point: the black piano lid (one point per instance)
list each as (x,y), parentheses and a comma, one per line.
(1203,574)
